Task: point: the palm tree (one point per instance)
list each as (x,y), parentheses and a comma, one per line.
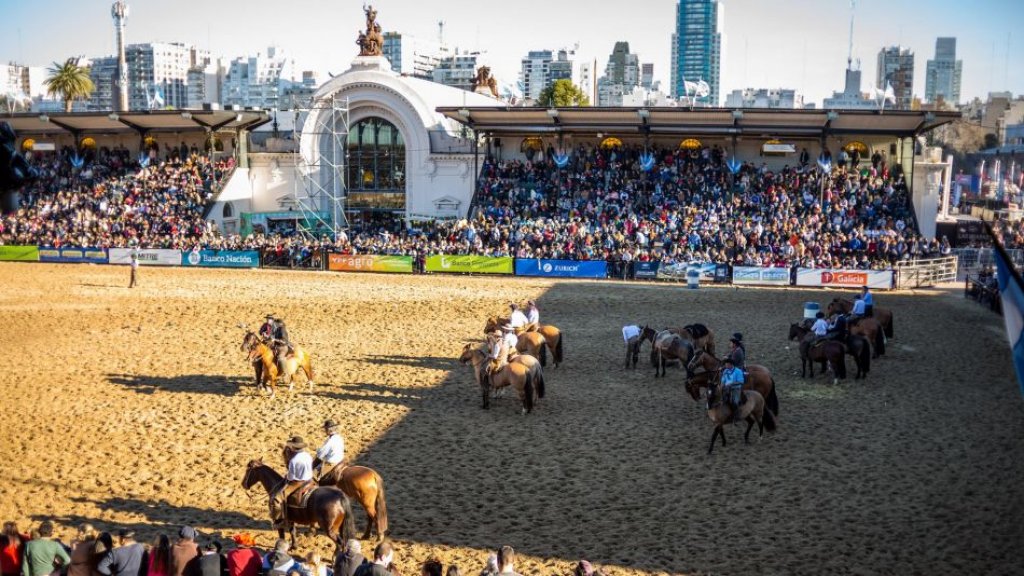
(70,81)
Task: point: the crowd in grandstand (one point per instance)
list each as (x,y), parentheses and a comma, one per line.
(94,553)
(620,205)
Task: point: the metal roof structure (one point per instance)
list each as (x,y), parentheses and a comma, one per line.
(499,120)
(32,123)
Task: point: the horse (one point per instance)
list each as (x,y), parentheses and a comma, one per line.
(249,342)
(327,508)
(882,315)
(667,346)
(364,485)
(514,374)
(552,335)
(272,369)
(827,352)
(752,410)
(701,336)
(755,377)
(857,347)
(533,344)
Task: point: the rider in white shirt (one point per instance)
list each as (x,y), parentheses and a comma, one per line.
(517,320)
(300,471)
(331,455)
(532,316)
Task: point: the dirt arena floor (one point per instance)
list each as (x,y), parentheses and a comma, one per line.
(135,408)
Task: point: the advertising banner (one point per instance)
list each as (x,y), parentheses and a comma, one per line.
(147,256)
(72,255)
(825,278)
(562,268)
(470,264)
(757,276)
(369,263)
(19,253)
(221,258)
(678,271)
(645,270)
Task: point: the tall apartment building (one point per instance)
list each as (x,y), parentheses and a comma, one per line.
(942,75)
(697,47)
(257,81)
(896,69)
(103,73)
(765,98)
(412,56)
(621,75)
(457,70)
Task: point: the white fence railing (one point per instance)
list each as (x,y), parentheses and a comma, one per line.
(920,273)
(972,260)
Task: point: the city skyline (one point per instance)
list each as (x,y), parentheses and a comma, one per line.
(758,52)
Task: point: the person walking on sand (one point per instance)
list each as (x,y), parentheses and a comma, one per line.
(135,269)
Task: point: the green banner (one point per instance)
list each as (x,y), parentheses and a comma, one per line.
(471,264)
(19,253)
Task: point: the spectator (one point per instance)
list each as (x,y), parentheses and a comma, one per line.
(348,560)
(12,545)
(507,561)
(491,567)
(43,555)
(128,559)
(82,549)
(432,567)
(383,555)
(160,556)
(453,570)
(280,563)
(210,561)
(244,560)
(185,554)
(316,567)
(104,544)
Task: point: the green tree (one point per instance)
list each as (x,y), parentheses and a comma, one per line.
(69,81)
(562,93)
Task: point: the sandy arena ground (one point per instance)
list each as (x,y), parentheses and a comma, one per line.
(135,408)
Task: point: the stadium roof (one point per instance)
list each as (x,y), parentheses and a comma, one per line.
(142,121)
(698,121)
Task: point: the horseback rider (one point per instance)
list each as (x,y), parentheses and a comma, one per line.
(330,458)
(732,385)
(299,474)
(818,330)
(502,345)
(858,311)
(276,333)
(737,351)
(266,330)
(837,328)
(869,301)
(517,319)
(532,316)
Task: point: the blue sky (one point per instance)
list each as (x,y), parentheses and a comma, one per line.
(798,44)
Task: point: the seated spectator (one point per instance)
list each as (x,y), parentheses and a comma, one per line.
(12,545)
(244,560)
(43,555)
(349,559)
(383,556)
(128,559)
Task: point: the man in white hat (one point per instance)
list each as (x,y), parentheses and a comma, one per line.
(300,472)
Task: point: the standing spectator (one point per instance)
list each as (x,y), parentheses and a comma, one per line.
(104,544)
(491,568)
(507,561)
(82,549)
(42,555)
(432,567)
(349,560)
(160,557)
(12,545)
(244,560)
(209,561)
(135,269)
(128,559)
(383,555)
(185,553)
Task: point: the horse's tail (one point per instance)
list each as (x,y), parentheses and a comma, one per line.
(773,399)
(543,353)
(381,504)
(888,327)
(540,383)
(768,418)
(557,352)
(528,393)
(348,525)
(879,342)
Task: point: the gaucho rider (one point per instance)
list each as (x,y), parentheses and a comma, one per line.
(275,331)
(502,345)
(517,319)
(300,473)
(330,458)
(532,316)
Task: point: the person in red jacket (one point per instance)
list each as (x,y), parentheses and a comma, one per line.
(12,545)
(244,560)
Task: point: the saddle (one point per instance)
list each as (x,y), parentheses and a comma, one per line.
(333,475)
(697,330)
(300,498)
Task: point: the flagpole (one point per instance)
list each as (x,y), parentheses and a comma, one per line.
(1006,257)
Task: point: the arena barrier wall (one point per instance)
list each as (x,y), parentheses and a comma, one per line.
(221,258)
(755,276)
(678,271)
(19,253)
(829,278)
(370,263)
(72,255)
(562,268)
(470,264)
(147,256)
(646,270)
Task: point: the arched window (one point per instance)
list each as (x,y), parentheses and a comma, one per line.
(27,144)
(691,144)
(611,142)
(860,147)
(531,144)
(376,166)
(229,210)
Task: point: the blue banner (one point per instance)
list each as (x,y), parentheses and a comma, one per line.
(221,258)
(72,255)
(645,270)
(562,268)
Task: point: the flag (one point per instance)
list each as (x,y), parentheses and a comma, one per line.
(1011,292)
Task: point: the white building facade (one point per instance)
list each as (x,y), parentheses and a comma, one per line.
(258,81)
(764,98)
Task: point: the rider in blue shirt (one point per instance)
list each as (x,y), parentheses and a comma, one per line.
(869,301)
(732,385)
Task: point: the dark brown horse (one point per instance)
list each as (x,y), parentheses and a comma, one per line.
(856,346)
(752,410)
(668,347)
(364,485)
(882,315)
(828,352)
(701,336)
(327,508)
(249,343)
(755,377)
(515,374)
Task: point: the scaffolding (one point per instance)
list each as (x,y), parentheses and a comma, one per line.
(319,187)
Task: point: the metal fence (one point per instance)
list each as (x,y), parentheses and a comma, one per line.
(972,260)
(921,273)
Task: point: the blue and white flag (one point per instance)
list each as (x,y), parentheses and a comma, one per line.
(1012,295)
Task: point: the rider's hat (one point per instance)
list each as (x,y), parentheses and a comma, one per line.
(295,443)
(531,303)
(737,338)
(513,305)
(507,328)
(330,425)
(269,316)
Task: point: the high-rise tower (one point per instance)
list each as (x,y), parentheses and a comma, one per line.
(697,48)
(119,12)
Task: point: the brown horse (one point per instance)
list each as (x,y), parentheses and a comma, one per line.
(751,410)
(271,369)
(856,346)
(514,374)
(701,336)
(533,344)
(552,335)
(667,347)
(755,377)
(249,342)
(828,352)
(327,508)
(364,485)
(882,315)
